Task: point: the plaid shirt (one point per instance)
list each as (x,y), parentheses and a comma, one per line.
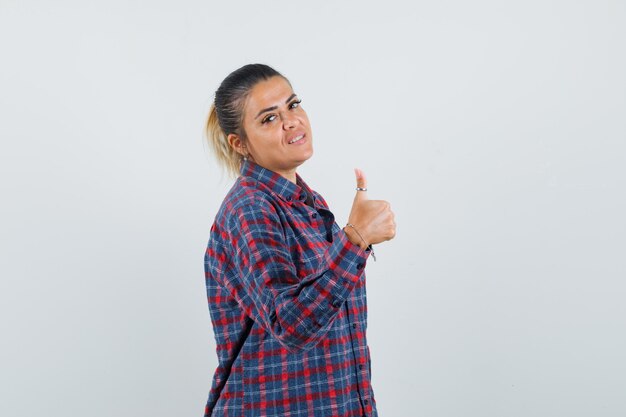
(286,293)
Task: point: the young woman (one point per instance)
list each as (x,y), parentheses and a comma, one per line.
(285,283)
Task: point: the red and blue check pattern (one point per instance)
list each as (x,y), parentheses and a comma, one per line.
(286,293)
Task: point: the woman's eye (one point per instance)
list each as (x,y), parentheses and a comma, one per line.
(272,117)
(268,118)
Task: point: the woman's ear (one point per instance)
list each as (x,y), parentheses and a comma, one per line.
(236,143)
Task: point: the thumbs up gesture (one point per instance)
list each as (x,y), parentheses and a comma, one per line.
(373,219)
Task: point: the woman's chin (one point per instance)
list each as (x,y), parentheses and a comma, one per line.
(307,155)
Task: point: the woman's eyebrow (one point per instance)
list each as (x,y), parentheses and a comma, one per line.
(274,107)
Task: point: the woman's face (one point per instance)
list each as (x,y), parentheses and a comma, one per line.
(277,128)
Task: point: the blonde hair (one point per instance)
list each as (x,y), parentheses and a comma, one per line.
(226,156)
(227,110)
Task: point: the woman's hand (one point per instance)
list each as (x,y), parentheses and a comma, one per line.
(373,219)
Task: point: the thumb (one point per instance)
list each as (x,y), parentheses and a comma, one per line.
(361,182)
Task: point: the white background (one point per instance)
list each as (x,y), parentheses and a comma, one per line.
(496,130)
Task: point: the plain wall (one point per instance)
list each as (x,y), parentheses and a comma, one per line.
(496,130)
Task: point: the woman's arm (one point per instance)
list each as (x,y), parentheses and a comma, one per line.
(296,311)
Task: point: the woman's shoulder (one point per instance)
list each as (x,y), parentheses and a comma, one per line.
(246,193)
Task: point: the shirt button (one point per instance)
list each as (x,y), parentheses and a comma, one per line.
(361,368)
(359,266)
(366,402)
(314,215)
(337,303)
(289,198)
(354,325)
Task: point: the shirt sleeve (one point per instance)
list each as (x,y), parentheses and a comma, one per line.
(297,311)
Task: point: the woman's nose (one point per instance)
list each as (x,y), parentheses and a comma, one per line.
(289,121)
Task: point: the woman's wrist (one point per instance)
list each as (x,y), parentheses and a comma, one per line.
(354,237)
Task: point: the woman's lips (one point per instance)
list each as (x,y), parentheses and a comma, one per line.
(297,139)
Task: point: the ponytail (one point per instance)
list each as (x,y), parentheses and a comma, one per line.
(226,156)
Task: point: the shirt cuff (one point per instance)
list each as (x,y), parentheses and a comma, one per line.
(346,258)
(346,263)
